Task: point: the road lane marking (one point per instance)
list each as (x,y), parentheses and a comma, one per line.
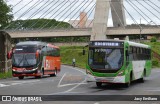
(11,83)
(3,85)
(69,84)
(76,86)
(61,80)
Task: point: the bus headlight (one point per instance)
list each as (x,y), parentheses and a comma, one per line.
(88,72)
(121,73)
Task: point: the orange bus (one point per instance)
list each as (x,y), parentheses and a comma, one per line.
(34,58)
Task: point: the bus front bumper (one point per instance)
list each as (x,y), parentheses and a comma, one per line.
(17,73)
(117,79)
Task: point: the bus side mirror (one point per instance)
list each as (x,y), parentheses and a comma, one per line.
(37,54)
(9,55)
(127,53)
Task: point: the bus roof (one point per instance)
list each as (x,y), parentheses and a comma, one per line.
(36,43)
(31,43)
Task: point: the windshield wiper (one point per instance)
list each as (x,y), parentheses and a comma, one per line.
(26,60)
(21,61)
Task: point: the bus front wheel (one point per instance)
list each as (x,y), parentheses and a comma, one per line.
(99,84)
(21,77)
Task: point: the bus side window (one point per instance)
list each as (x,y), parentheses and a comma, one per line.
(130,53)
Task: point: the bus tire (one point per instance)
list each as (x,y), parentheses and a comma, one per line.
(141,80)
(126,85)
(21,77)
(38,77)
(99,84)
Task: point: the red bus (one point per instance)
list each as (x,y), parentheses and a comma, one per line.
(33,58)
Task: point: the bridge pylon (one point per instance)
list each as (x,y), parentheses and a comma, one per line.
(99,28)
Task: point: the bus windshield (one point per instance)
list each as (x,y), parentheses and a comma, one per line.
(24,60)
(106,58)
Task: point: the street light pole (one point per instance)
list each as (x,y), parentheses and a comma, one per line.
(140,29)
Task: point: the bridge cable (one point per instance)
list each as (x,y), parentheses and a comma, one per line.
(72,11)
(152,7)
(33,24)
(87,12)
(144,13)
(131,16)
(62,16)
(36,12)
(23,7)
(83,17)
(50,12)
(154,4)
(116,14)
(27,11)
(77,11)
(17,3)
(43,25)
(147,9)
(90,15)
(136,10)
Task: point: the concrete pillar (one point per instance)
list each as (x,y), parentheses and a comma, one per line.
(118,15)
(100,20)
(5,47)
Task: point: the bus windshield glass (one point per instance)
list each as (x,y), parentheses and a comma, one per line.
(24,60)
(106,58)
(24,56)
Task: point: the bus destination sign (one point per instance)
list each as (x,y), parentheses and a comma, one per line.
(107,43)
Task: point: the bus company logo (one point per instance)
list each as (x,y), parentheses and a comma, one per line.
(6,98)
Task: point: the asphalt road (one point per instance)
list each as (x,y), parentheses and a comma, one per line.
(71,81)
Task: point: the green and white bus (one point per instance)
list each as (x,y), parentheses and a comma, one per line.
(118,61)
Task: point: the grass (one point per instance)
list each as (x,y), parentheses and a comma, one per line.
(156,48)
(70,52)
(6,75)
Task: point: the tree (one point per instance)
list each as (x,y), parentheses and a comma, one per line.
(5,14)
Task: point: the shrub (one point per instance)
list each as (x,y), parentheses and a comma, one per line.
(153,39)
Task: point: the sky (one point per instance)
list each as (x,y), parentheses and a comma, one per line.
(64,10)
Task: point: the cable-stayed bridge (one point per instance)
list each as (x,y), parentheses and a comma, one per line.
(99,19)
